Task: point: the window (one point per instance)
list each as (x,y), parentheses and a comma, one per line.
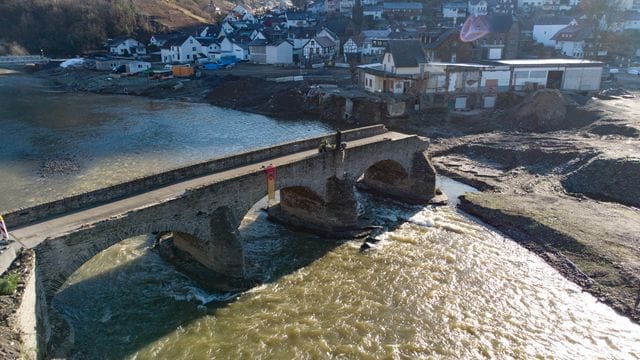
(187,56)
(193,48)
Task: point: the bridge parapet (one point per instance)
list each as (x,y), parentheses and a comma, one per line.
(23,216)
(23,60)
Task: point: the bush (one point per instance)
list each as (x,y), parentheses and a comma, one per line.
(9,283)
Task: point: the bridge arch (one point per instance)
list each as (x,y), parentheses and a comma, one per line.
(57,259)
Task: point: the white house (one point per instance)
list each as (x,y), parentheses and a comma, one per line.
(402,64)
(352,47)
(258,51)
(135,67)
(478,7)
(570,40)
(544,29)
(210,48)
(319,48)
(455,9)
(126,46)
(346,7)
(230,48)
(279,52)
(182,49)
(240,13)
(296,19)
(374,11)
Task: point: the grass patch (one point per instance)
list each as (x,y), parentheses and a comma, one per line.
(9,283)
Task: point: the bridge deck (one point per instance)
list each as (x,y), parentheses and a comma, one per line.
(31,235)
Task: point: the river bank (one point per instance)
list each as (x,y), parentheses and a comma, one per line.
(569,194)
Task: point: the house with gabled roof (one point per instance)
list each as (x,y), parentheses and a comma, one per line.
(296,19)
(258,51)
(402,64)
(210,48)
(545,28)
(183,49)
(570,40)
(318,49)
(279,52)
(447,46)
(126,46)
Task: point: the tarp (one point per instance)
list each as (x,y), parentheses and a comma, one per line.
(72,63)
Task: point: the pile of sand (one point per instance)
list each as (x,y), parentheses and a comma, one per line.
(543,110)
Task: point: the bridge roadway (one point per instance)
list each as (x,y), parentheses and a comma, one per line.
(31,235)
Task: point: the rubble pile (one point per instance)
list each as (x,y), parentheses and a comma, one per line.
(543,110)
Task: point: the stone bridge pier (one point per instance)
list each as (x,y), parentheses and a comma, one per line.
(328,204)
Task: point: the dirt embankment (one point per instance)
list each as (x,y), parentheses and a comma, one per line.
(11,342)
(565,188)
(283,100)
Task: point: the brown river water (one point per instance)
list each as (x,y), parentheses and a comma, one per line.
(437,285)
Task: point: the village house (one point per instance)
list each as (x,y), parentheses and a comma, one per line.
(352,48)
(475,85)
(545,28)
(279,52)
(374,12)
(331,35)
(478,7)
(258,51)
(373,45)
(402,64)
(183,49)
(402,10)
(159,40)
(229,47)
(296,19)
(126,47)
(447,46)
(501,43)
(570,40)
(130,66)
(299,37)
(240,13)
(210,48)
(455,9)
(319,49)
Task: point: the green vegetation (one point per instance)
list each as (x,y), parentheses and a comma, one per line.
(68,27)
(8,283)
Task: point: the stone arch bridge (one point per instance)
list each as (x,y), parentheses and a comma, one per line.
(205,212)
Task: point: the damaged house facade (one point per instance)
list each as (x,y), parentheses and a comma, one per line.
(405,70)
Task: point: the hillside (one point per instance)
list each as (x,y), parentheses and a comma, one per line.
(69,27)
